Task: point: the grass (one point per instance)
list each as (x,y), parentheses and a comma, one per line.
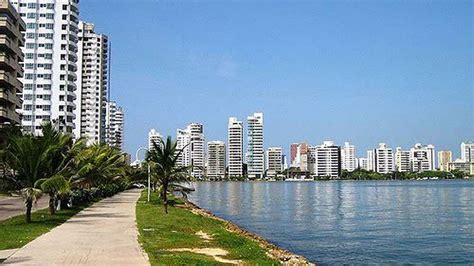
(15,232)
(160,232)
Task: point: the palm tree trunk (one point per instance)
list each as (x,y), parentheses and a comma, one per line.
(29,205)
(165,196)
(52,203)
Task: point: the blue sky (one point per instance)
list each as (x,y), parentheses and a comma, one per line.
(399,72)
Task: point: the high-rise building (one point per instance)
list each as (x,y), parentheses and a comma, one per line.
(302,157)
(422,158)
(467,151)
(191,140)
(215,160)
(183,139)
(371,160)
(274,161)
(91,94)
(235,150)
(293,154)
(197,149)
(348,159)
(381,159)
(114,125)
(284,161)
(444,157)
(11,42)
(255,158)
(50,63)
(327,160)
(402,160)
(153,137)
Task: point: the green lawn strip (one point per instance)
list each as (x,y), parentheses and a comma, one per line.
(159,233)
(15,232)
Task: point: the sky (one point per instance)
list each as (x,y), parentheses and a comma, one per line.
(399,72)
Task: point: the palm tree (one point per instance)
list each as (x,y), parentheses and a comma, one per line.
(28,156)
(98,164)
(59,166)
(163,159)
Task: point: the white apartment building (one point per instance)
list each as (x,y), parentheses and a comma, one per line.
(327,158)
(381,159)
(274,161)
(91,95)
(463,166)
(422,158)
(402,160)
(153,136)
(255,158)
(235,147)
(191,140)
(50,64)
(371,160)
(215,160)
(444,158)
(362,164)
(183,139)
(467,151)
(348,159)
(114,125)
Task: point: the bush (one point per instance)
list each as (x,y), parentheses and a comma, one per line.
(84,196)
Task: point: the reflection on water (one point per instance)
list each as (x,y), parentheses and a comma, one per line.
(352,221)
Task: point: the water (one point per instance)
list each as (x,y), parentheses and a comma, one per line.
(429,222)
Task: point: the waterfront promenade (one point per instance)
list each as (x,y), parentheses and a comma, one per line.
(104,234)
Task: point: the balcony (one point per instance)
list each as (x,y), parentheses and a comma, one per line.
(10,97)
(7,79)
(7,44)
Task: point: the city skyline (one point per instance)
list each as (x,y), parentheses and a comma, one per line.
(298,69)
(328,159)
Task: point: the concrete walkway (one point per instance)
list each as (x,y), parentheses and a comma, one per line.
(104,234)
(13,206)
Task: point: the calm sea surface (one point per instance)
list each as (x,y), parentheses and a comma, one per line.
(338,222)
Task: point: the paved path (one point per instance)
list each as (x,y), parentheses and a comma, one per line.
(13,206)
(104,234)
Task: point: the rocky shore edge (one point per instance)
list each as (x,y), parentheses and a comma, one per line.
(275,252)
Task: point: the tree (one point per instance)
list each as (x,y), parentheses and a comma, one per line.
(98,164)
(28,156)
(163,159)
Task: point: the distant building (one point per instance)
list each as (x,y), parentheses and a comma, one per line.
(363,164)
(463,166)
(444,158)
(422,158)
(11,58)
(235,147)
(216,160)
(274,161)
(284,161)
(467,151)
(348,159)
(92,83)
(327,158)
(255,158)
(153,136)
(293,154)
(380,159)
(303,157)
(191,142)
(402,160)
(114,125)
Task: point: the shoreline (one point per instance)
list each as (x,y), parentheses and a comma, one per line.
(284,256)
